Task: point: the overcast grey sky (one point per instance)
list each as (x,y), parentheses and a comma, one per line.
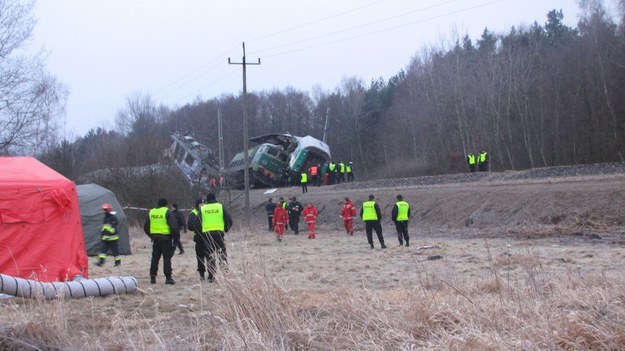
(107,50)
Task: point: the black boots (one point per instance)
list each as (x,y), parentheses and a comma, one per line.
(152,279)
(170,281)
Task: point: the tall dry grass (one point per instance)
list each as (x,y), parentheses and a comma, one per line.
(251,308)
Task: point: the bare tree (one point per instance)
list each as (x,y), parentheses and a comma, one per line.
(32,100)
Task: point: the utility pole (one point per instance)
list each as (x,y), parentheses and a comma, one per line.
(325,128)
(246,171)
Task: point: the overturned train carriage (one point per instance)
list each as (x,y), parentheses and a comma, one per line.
(277,159)
(195,160)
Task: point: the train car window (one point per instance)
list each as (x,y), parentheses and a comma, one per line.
(189,159)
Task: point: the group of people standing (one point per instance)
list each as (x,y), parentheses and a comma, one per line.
(478,162)
(327,173)
(281,215)
(209,221)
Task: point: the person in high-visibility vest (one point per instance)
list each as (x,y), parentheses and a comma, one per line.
(303,180)
(216,221)
(482,161)
(341,172)
(314,174)
(331,172)
(109,236)
(162,227)
(349,169)
(471,160)
(400,216)
(371,215)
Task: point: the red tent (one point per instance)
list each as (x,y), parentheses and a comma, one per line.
(40,231)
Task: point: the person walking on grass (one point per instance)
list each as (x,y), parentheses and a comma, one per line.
(269,208)
(280,218)
(371,215)
(109,237)
(310,215)
(295,211)
(400,216)
(348,212)
(162,228)
(216,221)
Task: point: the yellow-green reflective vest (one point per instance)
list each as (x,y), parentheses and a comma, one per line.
(348,169)
(368,211)
(331,167)
(482,158)
(158,221)
(402,210)
(212,217)
(342,167)
(304,178)
(471,159)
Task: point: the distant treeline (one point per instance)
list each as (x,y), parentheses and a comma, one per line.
(544,95)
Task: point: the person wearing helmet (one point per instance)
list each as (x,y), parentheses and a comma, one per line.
(109,236)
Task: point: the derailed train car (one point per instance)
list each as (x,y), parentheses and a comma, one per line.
(278,159)
(195,160)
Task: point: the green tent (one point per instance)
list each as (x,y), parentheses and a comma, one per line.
(91,198)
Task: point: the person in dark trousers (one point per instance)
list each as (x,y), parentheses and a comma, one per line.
(401,216)
(471,160)
(269,208)
(482,161)
(182,226)
(371,215)
(349,169)
(216,221)
(340,172)
(295,210)
(201,250)
(304,182)
(109,236)
(162,228)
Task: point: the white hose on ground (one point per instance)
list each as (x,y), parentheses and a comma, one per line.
(77,288)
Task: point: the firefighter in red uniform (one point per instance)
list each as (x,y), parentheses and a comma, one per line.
(348,212)
(310,214)
(280,218)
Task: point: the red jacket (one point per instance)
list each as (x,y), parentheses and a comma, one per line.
(348,211)
(310,213)
(280,215)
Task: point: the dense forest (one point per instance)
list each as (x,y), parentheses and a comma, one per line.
(542,95)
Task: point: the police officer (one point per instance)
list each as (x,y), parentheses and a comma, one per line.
(371,215)
(162,227)
(295,210)
(109,236)
(181,225)
(482,161)
(216,221)
(471,161)
(349,169)
(200,239)
(401,215)
(304,182)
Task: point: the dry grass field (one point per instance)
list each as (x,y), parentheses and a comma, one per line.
(493,265)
